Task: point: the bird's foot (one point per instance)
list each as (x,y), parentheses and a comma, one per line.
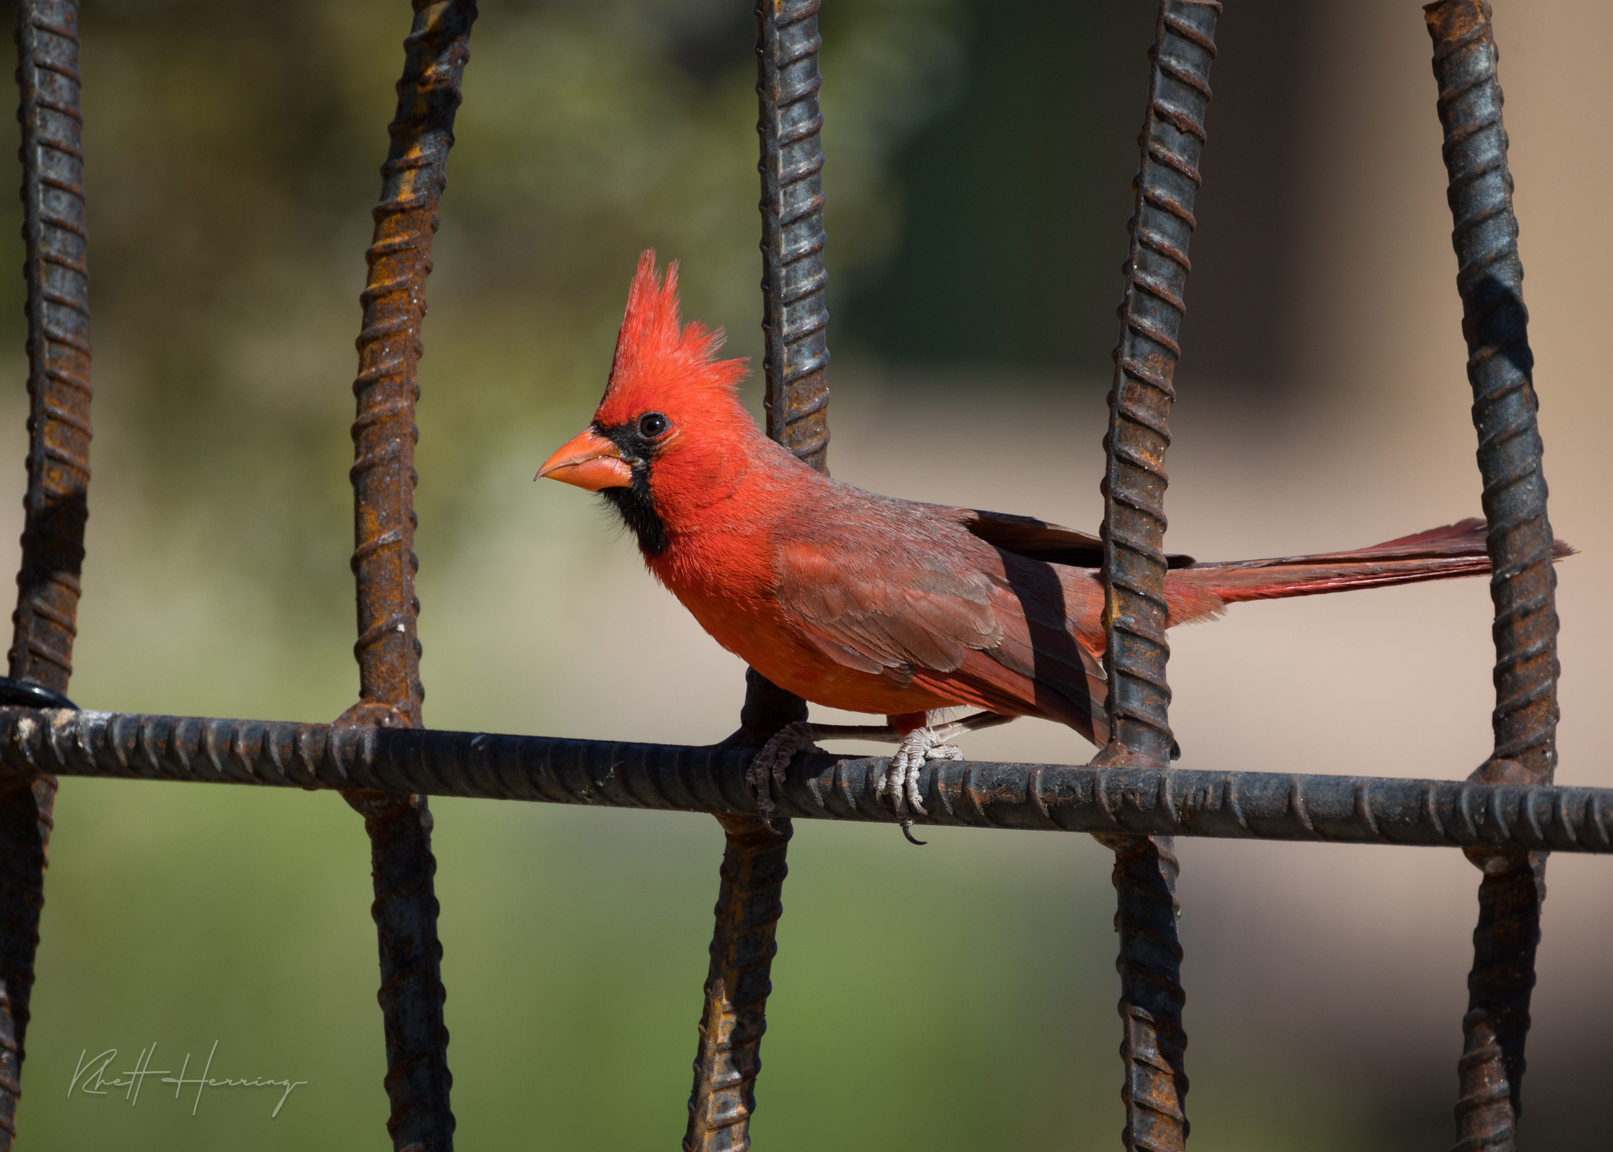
(770,763)
(901,779)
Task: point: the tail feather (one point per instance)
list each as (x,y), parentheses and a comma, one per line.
(1437,554)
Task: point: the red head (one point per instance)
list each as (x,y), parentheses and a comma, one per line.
(670,434)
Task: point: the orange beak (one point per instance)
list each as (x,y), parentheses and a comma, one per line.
(589,461)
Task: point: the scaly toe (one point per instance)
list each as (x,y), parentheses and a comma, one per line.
(756,780)
(896,787)
(771,762)
(890,780)
(765,809)
(911,786)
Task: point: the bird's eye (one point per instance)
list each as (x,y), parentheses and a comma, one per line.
(652,424)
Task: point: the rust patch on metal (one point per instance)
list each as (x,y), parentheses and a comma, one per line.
(737,985)
(56,270)
(384,564)
(1523,582)
(1134,563)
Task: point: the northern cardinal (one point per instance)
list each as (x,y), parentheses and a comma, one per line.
(873,604)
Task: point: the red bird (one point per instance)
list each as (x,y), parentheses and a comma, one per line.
(873,604)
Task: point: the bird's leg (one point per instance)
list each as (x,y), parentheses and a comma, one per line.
(801,736)
(915,747)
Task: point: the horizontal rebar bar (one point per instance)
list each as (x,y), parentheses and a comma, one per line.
(1046,797)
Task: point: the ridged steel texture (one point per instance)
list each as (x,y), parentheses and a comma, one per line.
(1523,585)
(728,1054)
(1043,797)
(1153,1040)
(58,342)
(794,318)
(57,274)
(737,984)
(1490,1072)
(384,564)
(1134,564)
(1145,361)
(794,364)
(411,996)
(1495,322)
(389,351)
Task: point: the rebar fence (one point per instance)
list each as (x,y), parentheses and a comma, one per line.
(1506,817)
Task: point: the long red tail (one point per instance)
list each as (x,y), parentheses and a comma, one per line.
(1437,554)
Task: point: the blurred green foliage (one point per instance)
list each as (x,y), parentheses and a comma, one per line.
(234,152)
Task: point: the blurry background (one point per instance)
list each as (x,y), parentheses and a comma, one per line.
(980,157)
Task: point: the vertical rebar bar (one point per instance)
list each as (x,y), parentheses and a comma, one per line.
(1153,1041)
(795,322)
(411,996)
(1490,1072)
(1523,584)
(1134,564)
(56,270)
(733,1020)
(389,348)
(384,564)
(794,363)
(794,319)
(1145,362)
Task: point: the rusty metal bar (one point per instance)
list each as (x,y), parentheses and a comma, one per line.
(1153,1041)
(732,1020)
(389,349)
(795,322)
(1523,585)
(1134,564)
(411,996)
(1145,361)
(737,984)
(58,343)
(794,319)
(1044,797)
(1150,962)
(1490,1071)
(794,363)
(1495,322)
(384,564)
(57,273)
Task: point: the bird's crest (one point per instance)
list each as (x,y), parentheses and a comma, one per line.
(659,359)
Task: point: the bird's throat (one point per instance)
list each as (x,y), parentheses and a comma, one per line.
(636,506)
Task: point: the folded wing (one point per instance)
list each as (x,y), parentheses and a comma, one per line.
(919,600)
